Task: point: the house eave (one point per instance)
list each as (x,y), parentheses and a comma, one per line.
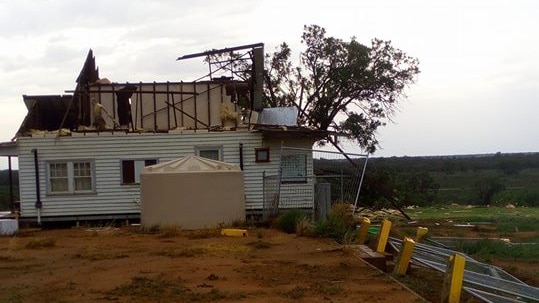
(292,132)
(8,149)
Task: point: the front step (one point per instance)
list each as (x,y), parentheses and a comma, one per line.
(382,262)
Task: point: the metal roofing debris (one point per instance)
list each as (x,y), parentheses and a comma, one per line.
(287,116)
(487,282)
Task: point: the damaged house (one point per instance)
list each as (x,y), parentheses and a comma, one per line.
(80,155)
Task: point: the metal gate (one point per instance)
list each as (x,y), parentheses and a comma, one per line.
(305,172)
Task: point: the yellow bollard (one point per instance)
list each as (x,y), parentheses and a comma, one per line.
(454,275)
(383,236)
(404,257)
(421,233)
(364,230)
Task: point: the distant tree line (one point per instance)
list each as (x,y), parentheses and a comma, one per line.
(473,179)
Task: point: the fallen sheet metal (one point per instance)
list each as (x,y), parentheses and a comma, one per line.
(484,281)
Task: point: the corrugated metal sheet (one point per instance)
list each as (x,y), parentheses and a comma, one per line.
(286,116)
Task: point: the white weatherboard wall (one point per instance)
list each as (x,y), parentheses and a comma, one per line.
(106,150)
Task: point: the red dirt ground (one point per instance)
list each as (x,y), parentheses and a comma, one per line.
(126,265)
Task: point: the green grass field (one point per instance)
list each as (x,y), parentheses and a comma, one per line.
(520,225)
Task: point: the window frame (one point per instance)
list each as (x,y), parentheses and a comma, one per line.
(142,162)
(258,158)
(288,176)
(70,176)
(218,148)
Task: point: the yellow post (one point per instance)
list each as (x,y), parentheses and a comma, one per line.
(364,230)
(454,275)
(421,233)
(383,236)
(404,257)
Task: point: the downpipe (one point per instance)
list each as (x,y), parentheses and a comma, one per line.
(38,204)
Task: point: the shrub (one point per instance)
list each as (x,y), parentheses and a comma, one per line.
(303,226)
(339,225)
(287,221)
(39,243)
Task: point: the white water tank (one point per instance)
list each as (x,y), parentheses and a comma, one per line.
(192,193)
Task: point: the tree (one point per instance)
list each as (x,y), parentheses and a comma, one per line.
(486,188)
(341,86)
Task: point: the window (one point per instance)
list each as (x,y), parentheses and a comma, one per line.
(58,178)
(70,177)
(262,154)
(131,170)
(209,152)
(82,176)
(294,168)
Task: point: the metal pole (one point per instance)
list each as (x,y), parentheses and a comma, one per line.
(360,183)
(10,176)
(38,204)
(342,187)
(264,205)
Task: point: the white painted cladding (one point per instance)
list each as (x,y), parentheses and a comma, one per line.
(106,150)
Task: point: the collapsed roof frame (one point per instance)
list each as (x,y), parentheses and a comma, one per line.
(256,55)
(79,112)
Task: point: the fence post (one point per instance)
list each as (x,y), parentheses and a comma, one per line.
(454,275)
(421,233)
(264,204)
(404,257)
(383,236)
(364,230)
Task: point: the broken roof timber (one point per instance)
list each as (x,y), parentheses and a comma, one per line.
(220,51)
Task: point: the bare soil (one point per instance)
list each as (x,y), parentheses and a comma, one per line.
(126,265)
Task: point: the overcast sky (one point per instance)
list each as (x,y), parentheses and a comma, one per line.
(477,92)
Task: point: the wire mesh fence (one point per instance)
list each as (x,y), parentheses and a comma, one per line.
(313,180)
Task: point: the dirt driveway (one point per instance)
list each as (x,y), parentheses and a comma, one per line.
(126,265)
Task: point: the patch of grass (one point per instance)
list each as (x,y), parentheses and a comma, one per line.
(169,231)
(204,233)
(295,293)
(460,213)
(146,287)
(427,283)
(27,232)
(488,249)
(9,296)
(227,248)
(303,227)
(287,221)
(339,225)
(39,243)
(194,251)
(327,289)
(186,252)
(97,255)
(159,289)
(260,245)
(154,229)
(10,258)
